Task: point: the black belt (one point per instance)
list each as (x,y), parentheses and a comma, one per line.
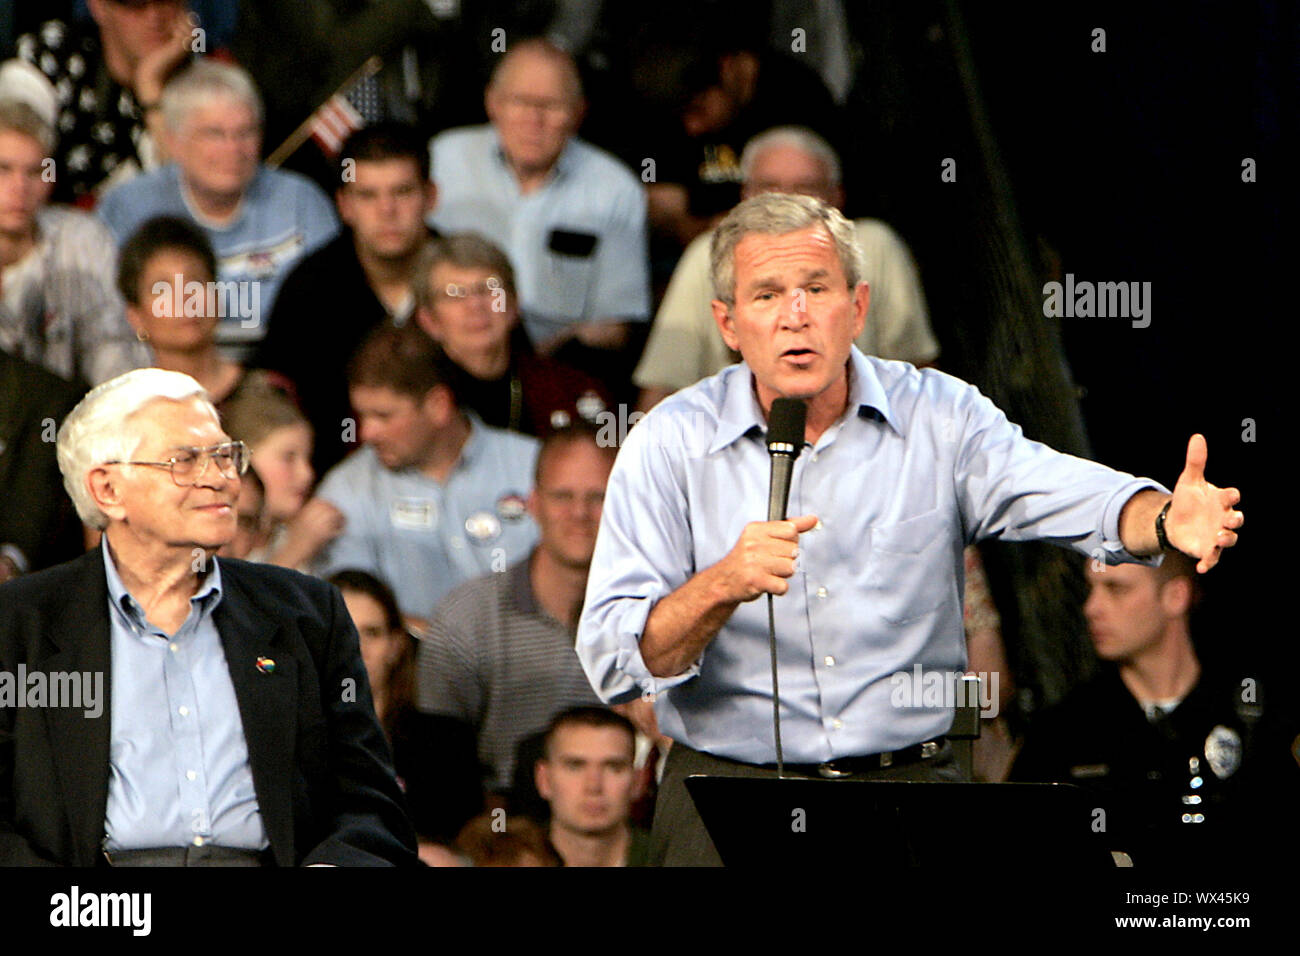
(849,766)
(206,855)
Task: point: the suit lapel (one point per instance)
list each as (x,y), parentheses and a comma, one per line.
(79,635)
(268,703)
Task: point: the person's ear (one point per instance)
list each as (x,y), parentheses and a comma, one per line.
(726,324)
(105,487)
(428,322)
(347,208)
(861,302)
(1176,597)
(542,778)
(439,405)
(430,197)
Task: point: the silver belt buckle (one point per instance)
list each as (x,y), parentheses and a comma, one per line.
(828,771)
(929,749)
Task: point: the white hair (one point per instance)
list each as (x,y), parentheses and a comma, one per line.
(200,83)
(98,430)
(797,137)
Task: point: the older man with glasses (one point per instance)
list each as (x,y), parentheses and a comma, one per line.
(260,221)
(238,727)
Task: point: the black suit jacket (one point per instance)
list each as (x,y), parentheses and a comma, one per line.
(35,513)
(320,763)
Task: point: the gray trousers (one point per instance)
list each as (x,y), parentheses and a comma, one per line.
(678,836)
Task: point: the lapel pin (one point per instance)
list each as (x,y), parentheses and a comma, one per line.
(266,665)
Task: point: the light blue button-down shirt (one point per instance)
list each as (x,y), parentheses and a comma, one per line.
(919,465)
(424,537)
(178,760)
(589,192)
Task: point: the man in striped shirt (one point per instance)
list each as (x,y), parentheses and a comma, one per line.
(499,650)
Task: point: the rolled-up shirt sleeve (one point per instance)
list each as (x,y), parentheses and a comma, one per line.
(1016,489)
(643,553)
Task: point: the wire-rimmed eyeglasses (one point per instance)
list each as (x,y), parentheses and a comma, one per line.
(189,465)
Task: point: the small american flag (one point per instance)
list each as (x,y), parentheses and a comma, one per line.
(356,104)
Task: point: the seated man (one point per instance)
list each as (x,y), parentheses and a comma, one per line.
(704,96)
(570,217)
(106,78)
(1184,756)
(498,654)
(465,287)
(433,499)
(225,739)
(59,306)
(37,525)
(685,345)
(587,778)
(354,283)
(261,221)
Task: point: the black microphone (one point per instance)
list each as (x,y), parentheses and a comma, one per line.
(785,426)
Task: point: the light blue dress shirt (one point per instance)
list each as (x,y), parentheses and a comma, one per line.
(919,465)
(423,537)
(178,760)
(589,192)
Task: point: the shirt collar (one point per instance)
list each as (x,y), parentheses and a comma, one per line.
(473,447)
(208,595)
(740,413)
(563,163)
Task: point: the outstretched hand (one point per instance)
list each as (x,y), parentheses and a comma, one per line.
(1201,521)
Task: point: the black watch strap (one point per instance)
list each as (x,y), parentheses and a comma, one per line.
(1161,538)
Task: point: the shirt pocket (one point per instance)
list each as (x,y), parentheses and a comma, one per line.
(909,570)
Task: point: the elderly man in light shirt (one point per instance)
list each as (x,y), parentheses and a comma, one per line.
(570,216)
(904,467)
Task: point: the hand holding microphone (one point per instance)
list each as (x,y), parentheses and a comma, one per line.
(764,556)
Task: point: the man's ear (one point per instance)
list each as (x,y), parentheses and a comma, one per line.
(105,488)
(343,199)
(1176,596)
(542,777)
(861,302)
(427,321)
(726,325)
(439,405)
(430,197)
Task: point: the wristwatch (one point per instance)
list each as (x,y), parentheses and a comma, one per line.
(1161,538)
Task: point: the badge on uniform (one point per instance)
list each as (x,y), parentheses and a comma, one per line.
(413,514)
(1223,751)
(483,526)
(511,507)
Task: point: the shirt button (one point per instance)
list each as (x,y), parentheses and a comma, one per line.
(190,774)
(822,592)
(173,647)
(457,544)
(183,711)
(830,661)
(198,841)
(814,456)
(837,724)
